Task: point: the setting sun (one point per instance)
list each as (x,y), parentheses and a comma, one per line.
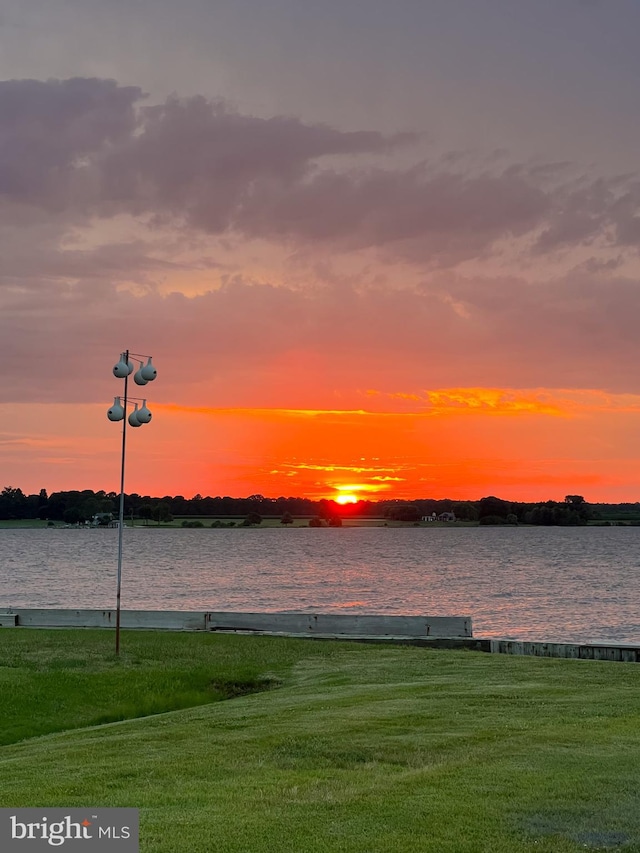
(346,499)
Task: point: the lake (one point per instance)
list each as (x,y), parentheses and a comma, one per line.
(571,584)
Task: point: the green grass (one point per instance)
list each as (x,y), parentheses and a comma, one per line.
(69,679)
(358,749)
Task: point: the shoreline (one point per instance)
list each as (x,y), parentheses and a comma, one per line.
(435,632)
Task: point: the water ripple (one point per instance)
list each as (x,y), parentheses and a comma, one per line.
(577,584)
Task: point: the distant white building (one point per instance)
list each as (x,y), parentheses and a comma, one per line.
(102,519)
(447,516)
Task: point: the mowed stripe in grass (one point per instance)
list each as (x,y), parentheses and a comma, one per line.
(362,748)
(53,680)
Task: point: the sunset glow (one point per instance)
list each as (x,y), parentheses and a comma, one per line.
(523,445)
(375,275)
(346,499)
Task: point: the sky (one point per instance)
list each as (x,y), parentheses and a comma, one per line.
(376,250)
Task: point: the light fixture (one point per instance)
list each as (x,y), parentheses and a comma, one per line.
(139,416)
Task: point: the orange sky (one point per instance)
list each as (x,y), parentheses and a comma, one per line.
(457,443)
(364,263)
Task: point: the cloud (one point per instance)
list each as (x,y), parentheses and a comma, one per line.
(52,133)
(425,215)
(77,142)
(89,147)
(51,265)
(104,198)
(260,345)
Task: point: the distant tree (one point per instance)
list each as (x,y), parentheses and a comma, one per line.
(43,501)
(13,503)
(403,512)
(577,504)
(73,515)
(162,512)
(554,513)
(335,521)
(252,519)
(493,506)
(326,508)
(287,518)
(464,510)
(254,504)
(90,506)
(56,505)
(145,512)
(179,505)
(195,505)
(316,521)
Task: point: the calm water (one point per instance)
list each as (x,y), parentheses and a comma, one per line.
(576,584)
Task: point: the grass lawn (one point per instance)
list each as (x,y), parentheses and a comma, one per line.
(347,747)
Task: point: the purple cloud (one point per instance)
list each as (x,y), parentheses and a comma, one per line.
(90,147)
(77,155)
(51,133)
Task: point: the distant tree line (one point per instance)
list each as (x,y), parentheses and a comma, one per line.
(574,510)
(78,506)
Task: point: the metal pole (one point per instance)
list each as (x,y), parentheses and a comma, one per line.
(121,512)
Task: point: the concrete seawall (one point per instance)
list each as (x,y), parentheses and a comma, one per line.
(300,624)
(624,652)
(450,632)
(343,624)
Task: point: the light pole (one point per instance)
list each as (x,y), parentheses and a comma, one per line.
(118,412)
